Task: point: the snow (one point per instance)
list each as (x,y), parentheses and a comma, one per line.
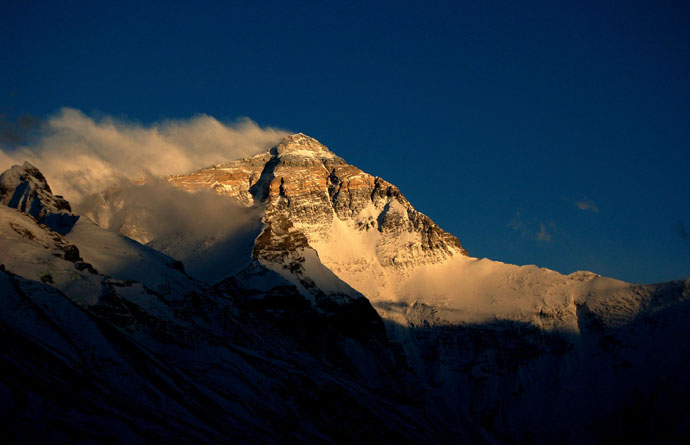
(17,311)
(30,251)
(214,257)
(51,309)
(125,259)
(310,154)
(313,278)
(258,278)
(394,206)
(460,289)
(351,255)
(33,252)
(324,278)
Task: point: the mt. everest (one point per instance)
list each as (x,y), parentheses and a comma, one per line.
(327,309)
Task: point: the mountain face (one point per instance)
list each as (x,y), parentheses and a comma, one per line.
(313,203)
(344,314)
(318,211)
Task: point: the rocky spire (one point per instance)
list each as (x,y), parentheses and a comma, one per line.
(24,188)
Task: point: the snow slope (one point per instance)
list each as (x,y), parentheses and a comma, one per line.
(125,259)
(462,289)
(88,262)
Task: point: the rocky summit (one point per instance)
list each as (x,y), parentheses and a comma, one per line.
(26,189)
(302,180)
(336,313)
(305,190)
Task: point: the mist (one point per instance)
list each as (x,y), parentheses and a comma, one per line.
(114,173)
(209,233)
(80,155)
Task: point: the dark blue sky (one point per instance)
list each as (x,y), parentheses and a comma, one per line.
(494,118)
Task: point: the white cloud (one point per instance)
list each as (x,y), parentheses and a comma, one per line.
(211,234)
(80,155)
(587,206)
(91,162)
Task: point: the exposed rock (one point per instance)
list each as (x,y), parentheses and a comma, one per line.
(26,189)
(300,182)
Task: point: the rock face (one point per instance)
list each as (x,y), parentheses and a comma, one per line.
(303,181)
(305,189)
(25,188)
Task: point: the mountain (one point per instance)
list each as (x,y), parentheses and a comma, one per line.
(105,339)
(322,216)
(483,335)
(334,312)
(320,211)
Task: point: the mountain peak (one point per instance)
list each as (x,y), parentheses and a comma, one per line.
(314,203)
(24,188)
(300,143)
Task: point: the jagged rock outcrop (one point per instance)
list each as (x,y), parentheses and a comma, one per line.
(24,188)
(302,181)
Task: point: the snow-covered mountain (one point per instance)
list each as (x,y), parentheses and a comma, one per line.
(484,335)
(320,211)
(337,277)
(105,339)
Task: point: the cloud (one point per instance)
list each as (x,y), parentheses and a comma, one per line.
(114,172)
(587,206)
(543,235)
(212,235)
(80,155)
(527,227)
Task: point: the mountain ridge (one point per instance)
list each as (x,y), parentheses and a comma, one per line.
(375,300)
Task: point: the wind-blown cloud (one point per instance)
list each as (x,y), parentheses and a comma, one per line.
(80,155)
(211,234)
(587,206)
(92,163)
